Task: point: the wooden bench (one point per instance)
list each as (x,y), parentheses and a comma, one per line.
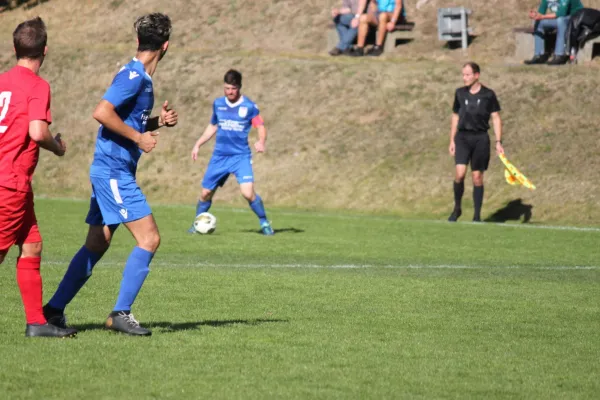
(525,45)
(403,31)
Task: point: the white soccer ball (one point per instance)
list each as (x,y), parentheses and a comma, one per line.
(205,223)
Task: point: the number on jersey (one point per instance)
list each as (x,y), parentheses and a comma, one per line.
(4,102)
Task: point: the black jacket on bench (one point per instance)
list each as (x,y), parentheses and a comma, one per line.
(583,25)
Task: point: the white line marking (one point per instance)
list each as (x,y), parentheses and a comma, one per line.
(339,266)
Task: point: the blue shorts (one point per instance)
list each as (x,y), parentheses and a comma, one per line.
(220,167)
(115,201)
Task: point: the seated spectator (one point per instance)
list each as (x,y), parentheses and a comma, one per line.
(346,24)
(552,15)
(388,14)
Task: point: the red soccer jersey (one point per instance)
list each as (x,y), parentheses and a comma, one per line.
(24,97)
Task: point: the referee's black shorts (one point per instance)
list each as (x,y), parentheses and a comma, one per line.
(474,148)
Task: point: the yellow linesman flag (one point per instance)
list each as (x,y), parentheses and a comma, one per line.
(513,175)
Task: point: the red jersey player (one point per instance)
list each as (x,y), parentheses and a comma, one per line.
(24,119)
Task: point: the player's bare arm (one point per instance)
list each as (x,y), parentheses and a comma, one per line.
(453,129)
(261,145)
(106,115)
(497,123)
(40,133)
(167,117)
(209,132)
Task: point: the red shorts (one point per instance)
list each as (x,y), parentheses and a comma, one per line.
(18,224)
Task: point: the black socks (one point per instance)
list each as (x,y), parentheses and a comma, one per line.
(459,189)
(477,202)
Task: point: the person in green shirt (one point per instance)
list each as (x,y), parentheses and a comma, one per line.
(552,15)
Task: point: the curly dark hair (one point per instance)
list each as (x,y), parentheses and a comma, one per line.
(153,30)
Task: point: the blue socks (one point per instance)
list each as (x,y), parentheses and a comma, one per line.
(134,274)
(79,271)
(259,209)
(202,206)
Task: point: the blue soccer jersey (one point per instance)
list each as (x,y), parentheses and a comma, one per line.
(132,96)
(234,122)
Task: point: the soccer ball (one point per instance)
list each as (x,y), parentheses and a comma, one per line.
(205,223)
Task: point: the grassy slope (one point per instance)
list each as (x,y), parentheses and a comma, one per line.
(359,134)
(419,314)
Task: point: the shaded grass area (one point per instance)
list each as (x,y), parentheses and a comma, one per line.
(332,306)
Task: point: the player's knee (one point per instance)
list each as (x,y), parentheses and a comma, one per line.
(206,195)
(459,176)
(150,241)
(32,249)
(249,196)
(97,243)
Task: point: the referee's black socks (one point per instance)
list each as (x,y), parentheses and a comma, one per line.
(477,202)
(459,189)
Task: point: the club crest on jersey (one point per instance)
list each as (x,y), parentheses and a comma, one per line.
(242,112)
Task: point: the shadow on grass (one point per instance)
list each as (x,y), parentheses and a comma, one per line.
(282,230)
(166,326)
(513,211)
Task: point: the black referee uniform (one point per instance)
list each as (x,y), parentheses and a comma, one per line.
(472,141)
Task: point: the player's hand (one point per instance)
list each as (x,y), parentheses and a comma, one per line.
(168,117)
(354,23)
(334,12)
(260,147)
(452,148)
(148,141)
(499,148)
(390,26)
(195,151)
(532,14)
(61,145)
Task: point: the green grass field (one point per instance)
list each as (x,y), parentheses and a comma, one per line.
(333,306)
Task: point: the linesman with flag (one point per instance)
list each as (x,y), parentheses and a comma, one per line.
(469,139)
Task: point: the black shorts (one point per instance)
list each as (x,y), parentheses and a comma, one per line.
(474,148)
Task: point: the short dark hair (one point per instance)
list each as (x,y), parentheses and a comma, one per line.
(30,38)
(474,67)
(153,30)
(233,77)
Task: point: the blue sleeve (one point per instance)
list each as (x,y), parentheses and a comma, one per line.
(214,120)
(254,113)
(124,87)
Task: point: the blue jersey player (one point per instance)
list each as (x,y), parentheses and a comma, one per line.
(126,131)
(233,117)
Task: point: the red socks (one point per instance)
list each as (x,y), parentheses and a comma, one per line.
(30,285)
